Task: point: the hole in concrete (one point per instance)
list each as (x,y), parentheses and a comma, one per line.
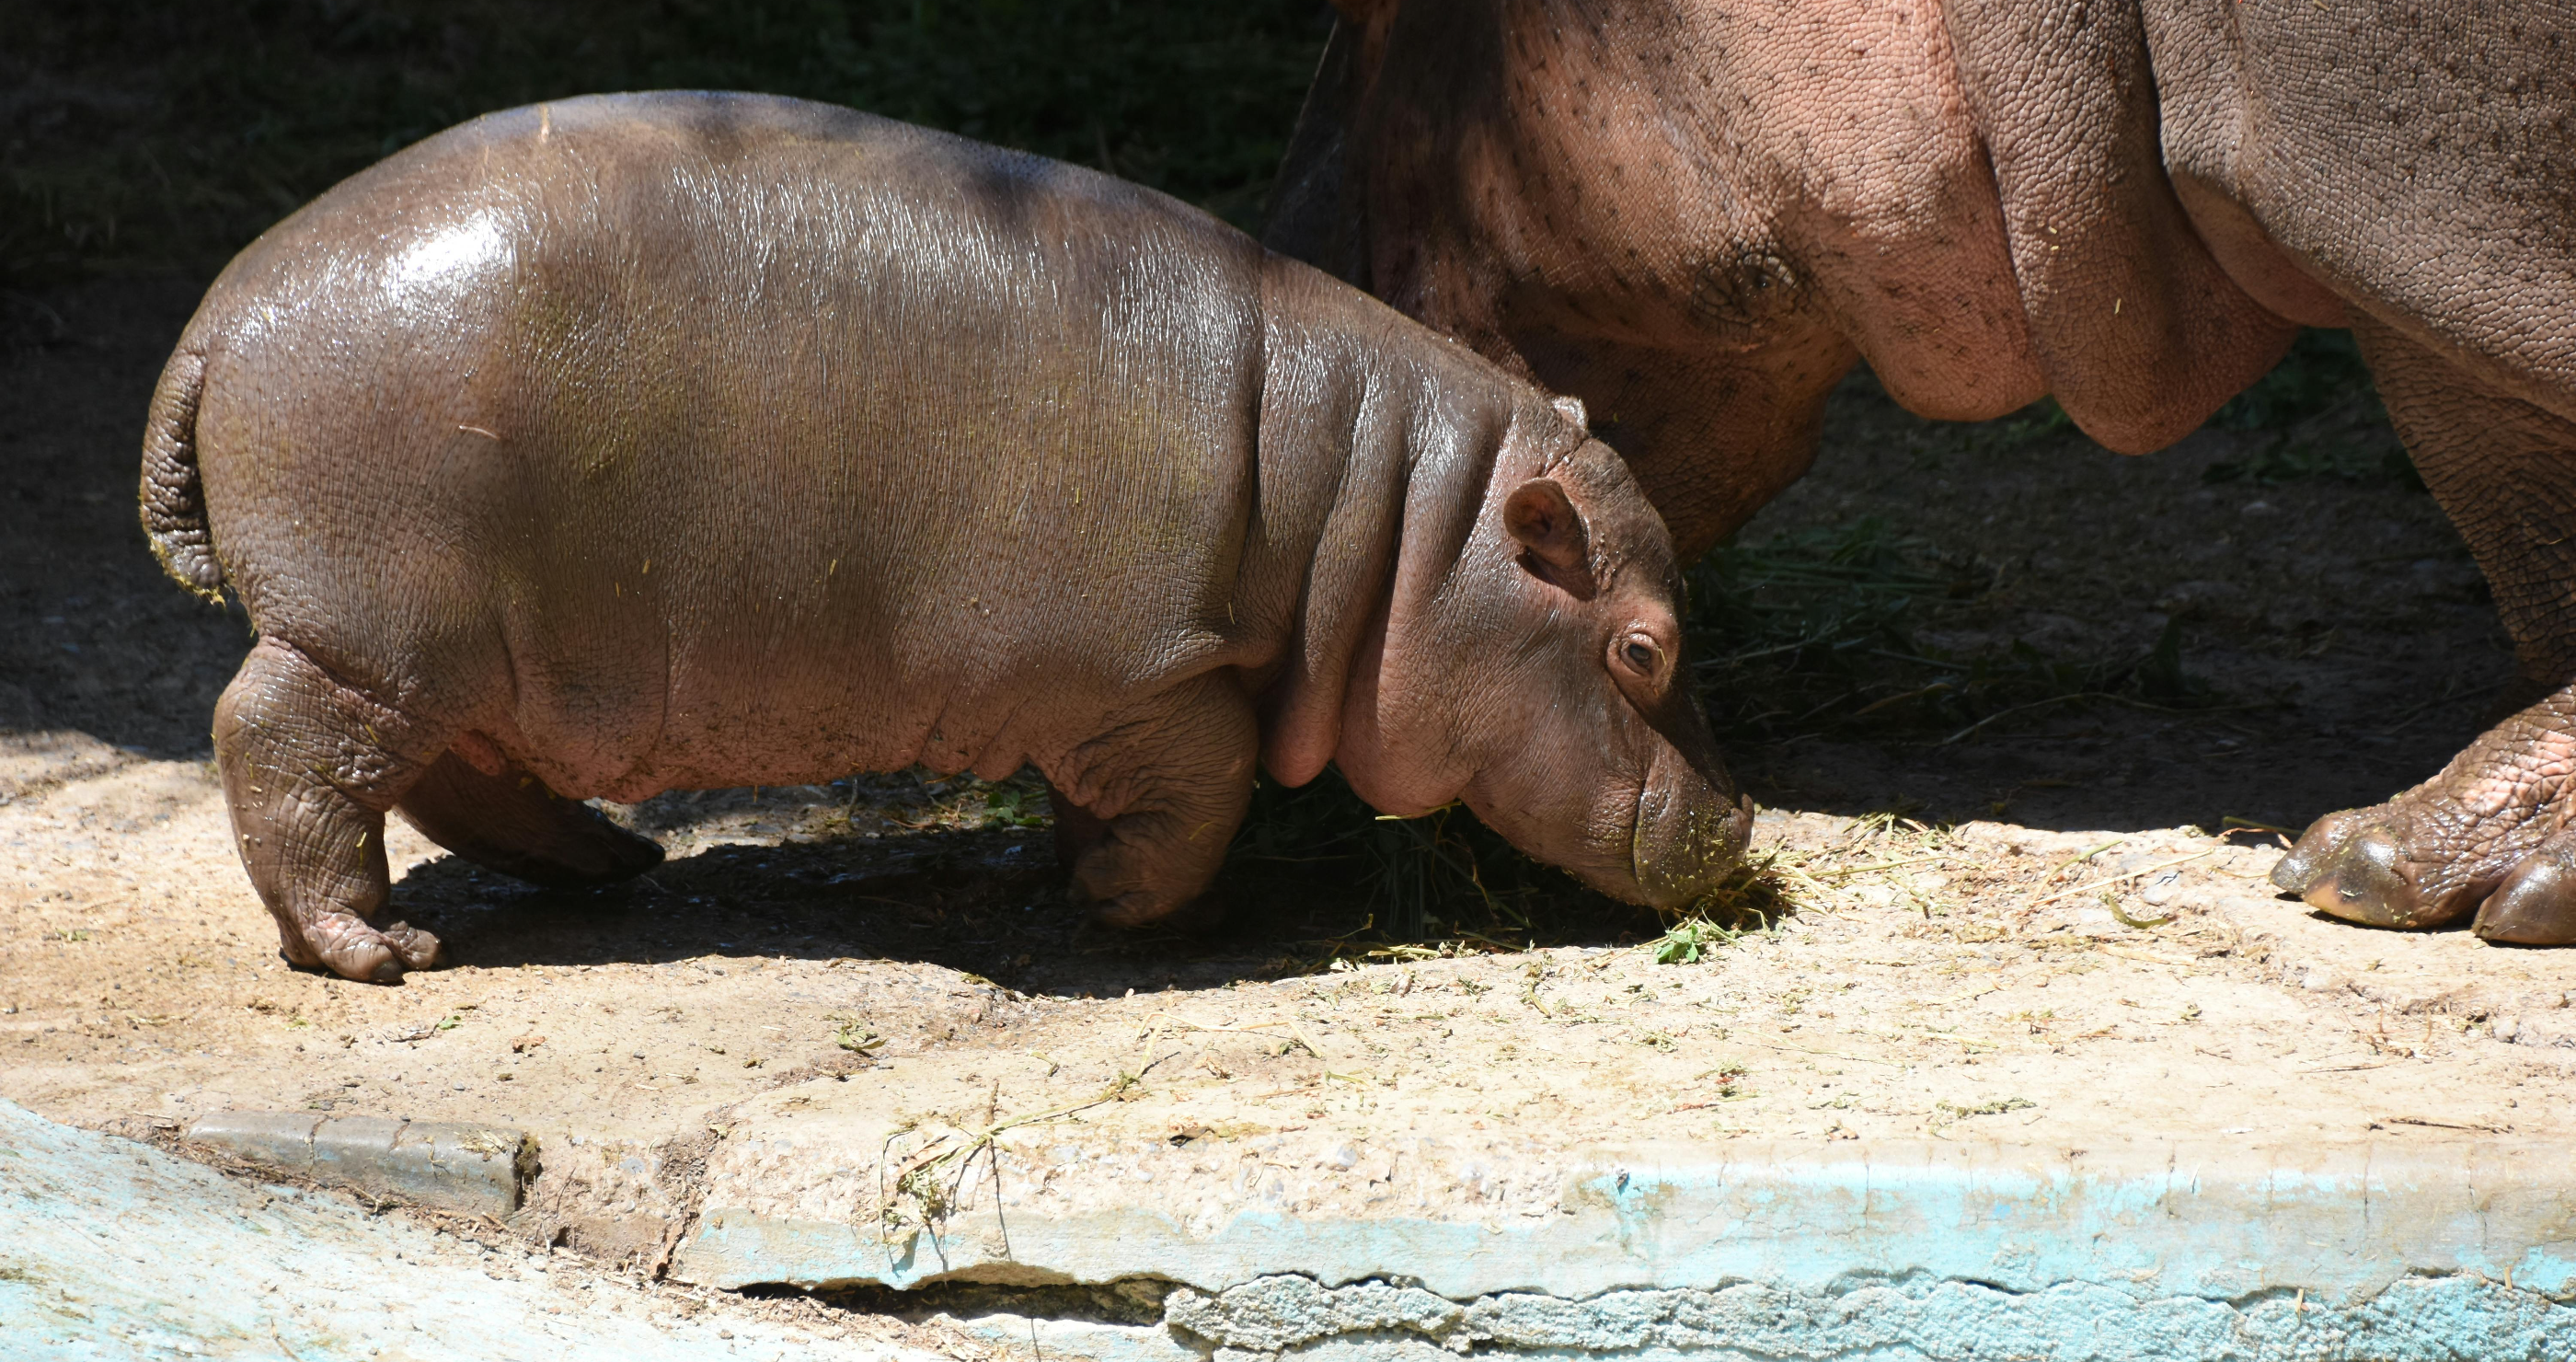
(1130,1300)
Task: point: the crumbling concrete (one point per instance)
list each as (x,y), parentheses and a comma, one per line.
(1911,1319)
(2205,1218)
(1329,1241)
(443,1165)
(115,1250)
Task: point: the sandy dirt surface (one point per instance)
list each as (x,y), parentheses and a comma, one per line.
(2019,935)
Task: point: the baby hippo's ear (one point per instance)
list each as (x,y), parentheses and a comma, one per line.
(1571,408)
(1540,515)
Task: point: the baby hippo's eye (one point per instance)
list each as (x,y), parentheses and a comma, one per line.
(1638,655)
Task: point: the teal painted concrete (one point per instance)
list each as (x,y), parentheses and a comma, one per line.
(2441,1319)
(109,1249)
(1893,1252)
(1917,1320)
(449,1166)
(113,1250)
(2147,1220)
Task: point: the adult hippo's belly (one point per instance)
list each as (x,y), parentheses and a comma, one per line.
(1696,214)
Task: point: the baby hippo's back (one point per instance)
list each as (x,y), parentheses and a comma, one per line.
(705,439)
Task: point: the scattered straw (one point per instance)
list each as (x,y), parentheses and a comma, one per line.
(2121,878)
(1880,865)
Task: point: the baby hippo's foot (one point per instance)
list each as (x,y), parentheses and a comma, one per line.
(2488,835)
(1133,874)
(1147,866)
(348,946)
(1169,788)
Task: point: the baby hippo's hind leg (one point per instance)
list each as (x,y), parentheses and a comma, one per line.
(1180,777)
(510,822)
(309,766)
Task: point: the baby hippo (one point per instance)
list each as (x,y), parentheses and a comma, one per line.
(684,440)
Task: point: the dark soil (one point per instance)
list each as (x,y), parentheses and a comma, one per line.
(2328,640)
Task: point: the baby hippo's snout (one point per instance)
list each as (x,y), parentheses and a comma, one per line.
(1691,828)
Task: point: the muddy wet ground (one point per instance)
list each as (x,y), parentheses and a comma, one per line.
(1989,825)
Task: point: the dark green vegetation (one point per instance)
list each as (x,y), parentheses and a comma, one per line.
(1814,632)
(165,134)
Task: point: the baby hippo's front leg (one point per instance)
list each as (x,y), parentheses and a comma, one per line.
(1145,811)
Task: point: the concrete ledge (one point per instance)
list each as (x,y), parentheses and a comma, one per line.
(115,1250)
(1317,1243)
(2148,1219)
(2440,1319)
(450,1166)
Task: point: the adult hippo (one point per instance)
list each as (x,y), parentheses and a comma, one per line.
(1695,214)
(675,440)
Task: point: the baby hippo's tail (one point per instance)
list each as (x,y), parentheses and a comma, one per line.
(173,496)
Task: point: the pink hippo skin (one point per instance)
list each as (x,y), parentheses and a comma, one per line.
(660,441)
(1695,215)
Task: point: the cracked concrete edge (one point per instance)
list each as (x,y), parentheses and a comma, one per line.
(2150,1219)
(117,1250)
(469,1169)
(1916,1319)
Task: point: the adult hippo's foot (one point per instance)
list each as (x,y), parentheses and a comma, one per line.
(2487,836)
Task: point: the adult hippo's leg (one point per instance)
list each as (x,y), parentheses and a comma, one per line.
(2489,833)
(510,822)
(308,775)
(1179,777)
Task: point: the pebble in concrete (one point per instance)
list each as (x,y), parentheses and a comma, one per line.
(446,1165)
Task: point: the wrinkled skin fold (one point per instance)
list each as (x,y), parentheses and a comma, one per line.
(664,441)
(1695,215)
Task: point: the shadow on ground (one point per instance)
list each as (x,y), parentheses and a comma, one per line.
(909,869)
(2269,621)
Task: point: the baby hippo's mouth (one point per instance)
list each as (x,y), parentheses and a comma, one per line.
(1690,831)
